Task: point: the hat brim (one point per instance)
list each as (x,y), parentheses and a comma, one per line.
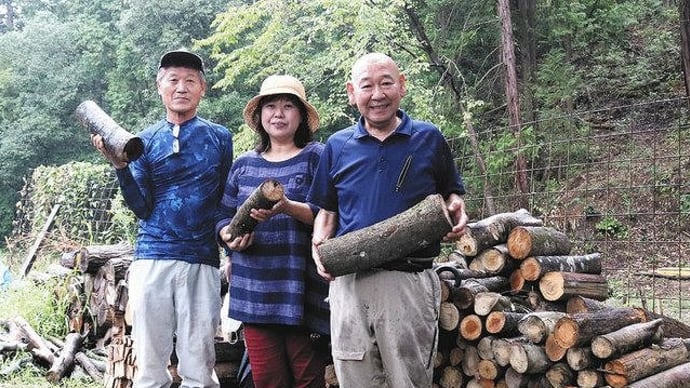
(250,108)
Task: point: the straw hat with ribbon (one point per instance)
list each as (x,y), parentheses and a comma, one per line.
(280,84)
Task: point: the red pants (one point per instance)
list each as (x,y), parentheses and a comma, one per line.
(283,357)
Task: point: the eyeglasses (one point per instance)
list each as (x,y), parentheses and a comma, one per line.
(176,140)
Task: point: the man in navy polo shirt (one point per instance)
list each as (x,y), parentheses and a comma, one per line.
(384,321)
(175,189)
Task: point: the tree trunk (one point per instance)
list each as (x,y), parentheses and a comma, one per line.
(646,362)
(676,377)
(525,241)
(537,326)
(534,267)
(267,194)
(578,329)
(493,230)
(123,145)
(562,285)
(388,240)
(684,11)
(627,339)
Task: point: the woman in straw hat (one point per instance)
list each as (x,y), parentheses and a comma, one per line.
(274,287)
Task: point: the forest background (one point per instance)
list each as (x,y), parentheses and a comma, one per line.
(535,98)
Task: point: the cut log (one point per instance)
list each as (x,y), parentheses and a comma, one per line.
(528,358)
(490,370)
(537,326)
(497,260)
(90,258)
(493,230)
(562,285)
(449,316)
(486,302)
(515,379)
(471,327)
(470,361)
(532,268)
(63,363)
(590,378)
(646,362)
(672,328)
(123,145)
(455,356)
(463,296)
(560,375)
(553,350)
(503,323)
(676,377)
(451,377)
(391,239)
(264,196)
(579,329)
(21,331)
(579,304)
(485,347)
(525,241)
(89,366)
(627,339)
(537,302)
(502,348)
(580,358)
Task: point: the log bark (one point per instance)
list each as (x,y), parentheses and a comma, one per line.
(525,241)
(626,339)
(532,268)
(391,239)
(63,363)
(89,366)
(267,194)
(90,258)
(119,142)
(672,328)
(562,285)
(493,230)
(529,358)
(676,377)
(646,362)
(537,326)
(579,329)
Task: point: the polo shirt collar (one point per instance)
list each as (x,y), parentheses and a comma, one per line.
(403,129)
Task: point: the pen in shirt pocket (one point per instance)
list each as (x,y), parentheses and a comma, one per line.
(403,173)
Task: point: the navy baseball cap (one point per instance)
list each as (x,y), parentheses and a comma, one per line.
(182,58)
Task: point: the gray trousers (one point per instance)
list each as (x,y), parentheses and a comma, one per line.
(384,327)
(172,297)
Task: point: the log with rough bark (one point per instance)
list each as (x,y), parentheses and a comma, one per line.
(676,377)
(391,239)
(65,361)
(90,258)
(538,325)
(579,304)
(532,268)
(579,329)
(562,285)
(671,327)
(528,358)
(267,194)
(123,145)
(646,362)
(627,339)
(503,323)
(493,230)
(525,241)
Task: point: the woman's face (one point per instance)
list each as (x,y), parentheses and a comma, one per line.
(280,118)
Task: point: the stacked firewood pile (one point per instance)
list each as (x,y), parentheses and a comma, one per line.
(519,310)
(99,343)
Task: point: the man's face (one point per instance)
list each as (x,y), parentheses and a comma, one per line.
(181,90)
(376,89)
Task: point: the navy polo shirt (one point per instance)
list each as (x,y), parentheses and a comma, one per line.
(366,180)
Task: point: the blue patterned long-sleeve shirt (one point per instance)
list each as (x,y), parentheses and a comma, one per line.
(176,195)
(274,280)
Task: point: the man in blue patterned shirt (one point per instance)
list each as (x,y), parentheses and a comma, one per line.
(174,189)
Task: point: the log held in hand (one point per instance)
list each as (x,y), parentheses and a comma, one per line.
(391,239)
(124,145)
(267,194)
